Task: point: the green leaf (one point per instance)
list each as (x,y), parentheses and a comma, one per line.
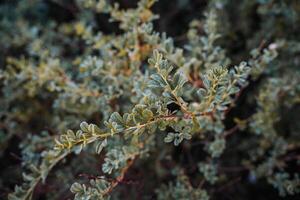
(201,93)
(84,127)
(169,138)
(186,136)
(100,146)
(154,84)
(116,117)
(76,188)
(158,79)
(147,114)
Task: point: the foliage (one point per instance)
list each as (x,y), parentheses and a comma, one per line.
(84,108)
